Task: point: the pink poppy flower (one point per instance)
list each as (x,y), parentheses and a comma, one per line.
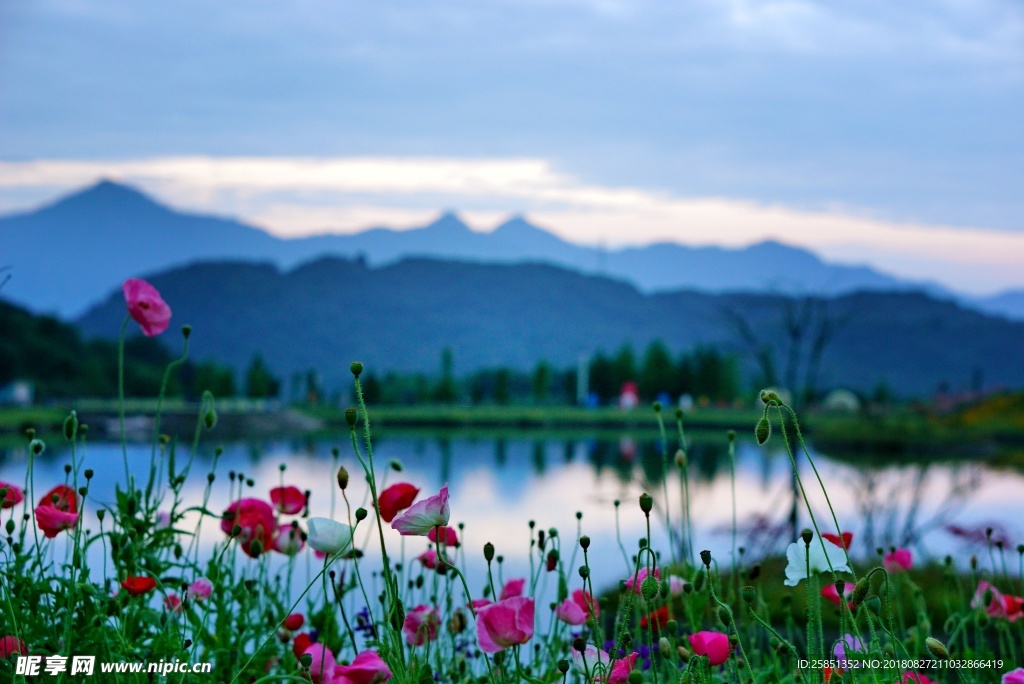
(137,586)
(367,668)
(323,665)
(843,541)
(568,612)
(420,625)
(288,500)
(256,518)
(429,559)
(146,306)
(916,678)
(899,559)
(13,495)
(288,540)
(61,497)
(396,498)
(505,623)
(635,582)
(1015,677)
(512,589)
(10,645)
(477,604)
(675,585)
(831,594)
(621,669)
(714,645)
(448,536)
(52,521)
(424,515)
(201,589)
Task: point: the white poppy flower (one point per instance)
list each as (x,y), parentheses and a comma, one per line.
(796,555)
(328,536)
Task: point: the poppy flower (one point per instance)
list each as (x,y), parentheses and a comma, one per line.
(367,668)
(172,602)
(10,645)
(657,618)
(12,496)
(448,536)
(916,678)
(831,594)
(822,554)
(256,518)
(420,625)
(301,643)
(430,560)
(146,306)
(1000,605)
(321,669)
(512,588)
(138,585)
(505,623)
(574,610)
(621,669)
(591,659)
(898,559)
(328,536)
(61,497)
(843,541)
(424,515)
(52,521)
(396,498)
(850,642)
(634,582)
(1015,677)
(288,540)
(714,645)
(201,589)
(288,500)
(294,621)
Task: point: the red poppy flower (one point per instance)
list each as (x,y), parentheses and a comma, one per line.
(288,500)
(10,645)
(658,617)
(61,497)
(13,497)
(396,498)
(842,542)
(294,621)
(256,518)
(301,643)
(137,586)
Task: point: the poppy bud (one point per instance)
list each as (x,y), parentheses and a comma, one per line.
(10,527)
(656,406)
(770,397)
(684,654)
(680,458)
(71,426)
(342,478)
(646,503)
(563,666)
(635,677)
(30,433)
(306,659)
(763,431)
(650,587)
(488,552)
(705,558)
(579,644)
(584,571)
(749,595)
(36,446)
(457,623)
(356,367)
(186,331)
(88,473)
(585,542)
(350,417)
(731,435)
(860,591)
(755,572)
(256,548)
(552,560)
(807,536)
(874,604)
(361,514)
(395,465)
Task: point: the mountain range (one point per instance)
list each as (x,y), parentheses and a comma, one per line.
(326,313)
(65,257)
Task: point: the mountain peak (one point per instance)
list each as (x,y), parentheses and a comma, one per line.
(107,195)
(449,222)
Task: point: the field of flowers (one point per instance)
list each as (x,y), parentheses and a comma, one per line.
(139,587)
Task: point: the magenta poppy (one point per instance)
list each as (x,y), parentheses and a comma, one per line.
(831,594)
(505,623)
(367,668)
(899,559)
(10,645)
(321,669)
(714,645)
(512,589)
(396,498)
(448,536)
(146,306)
(635,582)
(420,625)
(288,500)
(256,518)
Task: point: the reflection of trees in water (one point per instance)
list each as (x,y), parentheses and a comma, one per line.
(892,502)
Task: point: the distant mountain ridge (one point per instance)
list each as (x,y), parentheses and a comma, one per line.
(65,257)
(326,313)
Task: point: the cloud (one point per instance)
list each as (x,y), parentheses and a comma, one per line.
(293,196)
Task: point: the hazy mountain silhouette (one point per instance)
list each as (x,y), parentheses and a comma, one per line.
(331,311)
(67,255)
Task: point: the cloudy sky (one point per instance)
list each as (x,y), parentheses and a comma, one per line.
(876,132)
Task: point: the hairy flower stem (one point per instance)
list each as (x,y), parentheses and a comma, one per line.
(663,442)
(686,492)
(120,400)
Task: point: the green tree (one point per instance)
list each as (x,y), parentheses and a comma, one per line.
(623,367)
(447,392)
(541,381)
(657,372)
(259,383)
(503,386)
(602,377)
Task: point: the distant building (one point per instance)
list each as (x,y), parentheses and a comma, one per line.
(629,397)
(17,393)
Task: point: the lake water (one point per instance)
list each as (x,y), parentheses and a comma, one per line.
(497,485)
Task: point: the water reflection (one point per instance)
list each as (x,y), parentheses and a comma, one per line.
(498,484)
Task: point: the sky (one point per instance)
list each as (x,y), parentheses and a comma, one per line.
(872,132)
